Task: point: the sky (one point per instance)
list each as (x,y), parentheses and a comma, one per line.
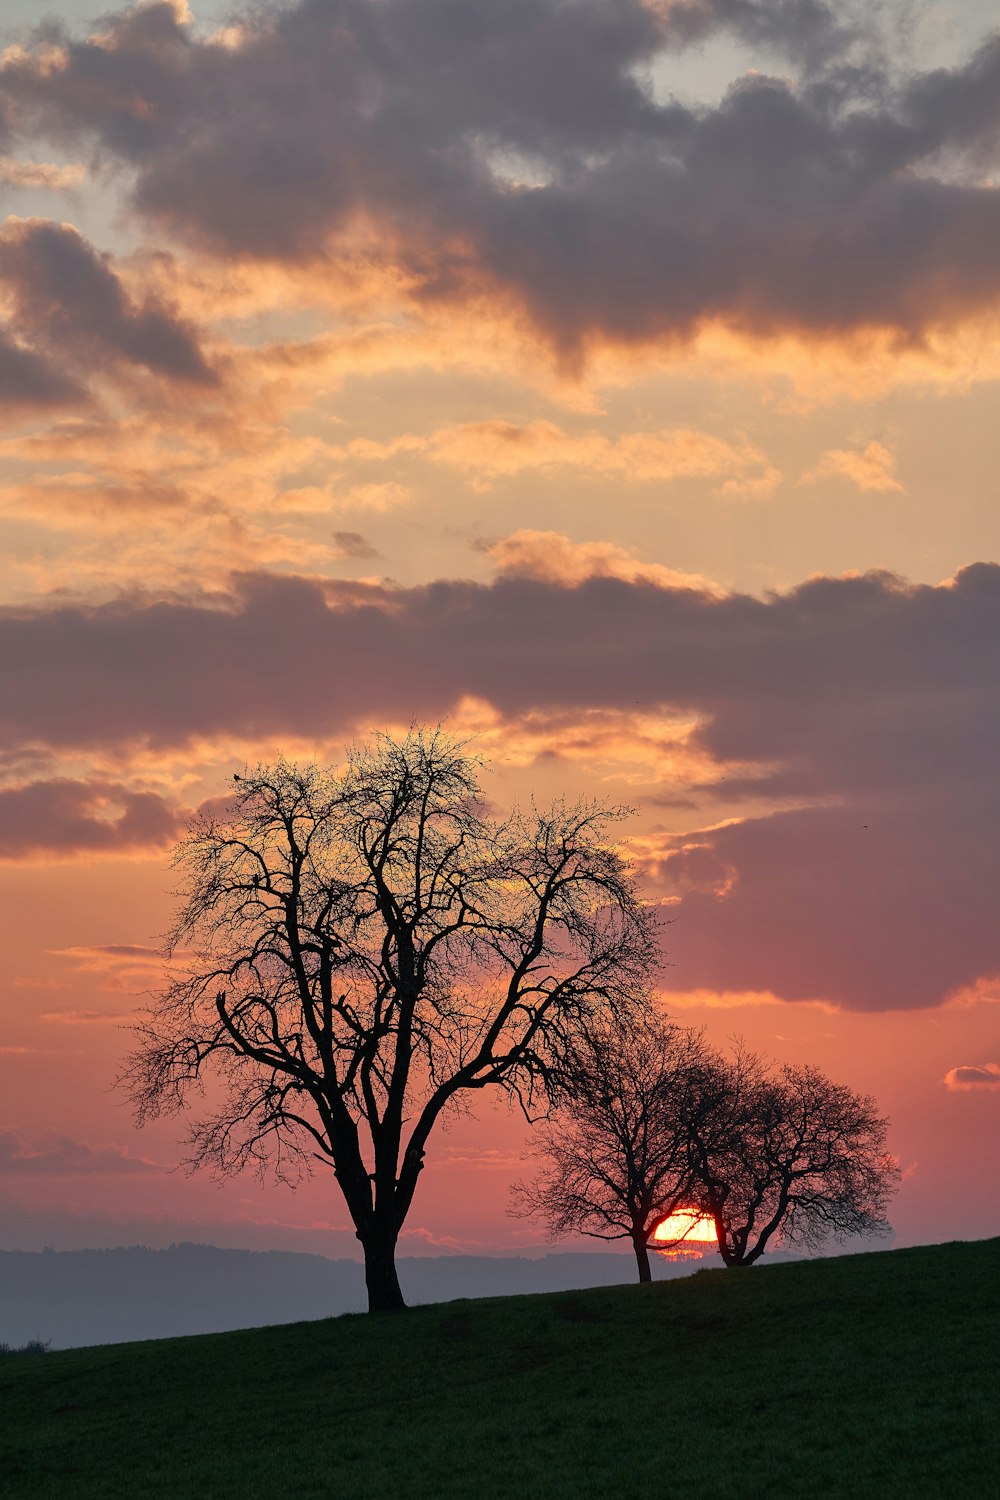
(612,380)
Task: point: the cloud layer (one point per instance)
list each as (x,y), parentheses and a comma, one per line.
(520,150)
(838,683)
(852,724)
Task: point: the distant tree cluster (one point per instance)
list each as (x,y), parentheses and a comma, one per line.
(652,1123)
(357,951)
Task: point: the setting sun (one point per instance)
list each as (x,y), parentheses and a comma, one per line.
(685,1228)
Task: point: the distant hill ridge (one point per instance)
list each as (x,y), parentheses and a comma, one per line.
(78,1297)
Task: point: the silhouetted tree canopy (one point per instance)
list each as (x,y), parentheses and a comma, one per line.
(358,950)
(615,1151)
(651,1122)
(787,1155)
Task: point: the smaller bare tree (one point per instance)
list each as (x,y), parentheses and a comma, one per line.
(790,1156)
(615,1150)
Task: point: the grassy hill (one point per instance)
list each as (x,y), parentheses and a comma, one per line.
(864,1375)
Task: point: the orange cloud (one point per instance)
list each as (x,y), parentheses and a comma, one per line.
(43,174)
(977,1076)
(734,1000)
(637,749)
(551,557)
(498,450)
(121,961)
(871,468)
(985,991)
(372,497)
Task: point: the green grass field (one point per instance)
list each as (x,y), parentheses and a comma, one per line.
(863,1375)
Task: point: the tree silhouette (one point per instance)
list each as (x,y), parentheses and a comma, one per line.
(651,1122)
(616,1154)
(361,949)
(791,1155)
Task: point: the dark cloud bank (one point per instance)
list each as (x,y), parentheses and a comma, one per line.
(866,709)
(845,199)
(63,816)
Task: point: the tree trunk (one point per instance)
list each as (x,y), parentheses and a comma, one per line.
(384,1292)
(642,1257)
(729,1255)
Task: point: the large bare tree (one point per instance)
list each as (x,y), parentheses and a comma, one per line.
(615,1152)
(789,1156)
(359,950)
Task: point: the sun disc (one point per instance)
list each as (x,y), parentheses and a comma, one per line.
(688,1227)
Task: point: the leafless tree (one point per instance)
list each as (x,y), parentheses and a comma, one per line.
(788,1155)
(615,1151)
(652,1122)
(361,949)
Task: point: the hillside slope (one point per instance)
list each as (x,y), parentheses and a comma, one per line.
(865,1375)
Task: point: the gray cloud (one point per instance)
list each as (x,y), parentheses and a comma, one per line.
(65,817)
(820,207)
(845,682)
(874,905)
(31,382)
(63,1156)
(985,1077)
(353,544)
(70,309)
(132,951)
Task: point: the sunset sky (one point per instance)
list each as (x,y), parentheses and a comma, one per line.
(614,380)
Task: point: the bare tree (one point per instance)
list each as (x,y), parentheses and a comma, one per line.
(616,1155)
(362,949)
(788,1155)
(652,1123)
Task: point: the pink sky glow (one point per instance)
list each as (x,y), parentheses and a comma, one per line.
(614,381)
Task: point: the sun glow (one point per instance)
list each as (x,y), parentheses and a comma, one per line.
(683,1231)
